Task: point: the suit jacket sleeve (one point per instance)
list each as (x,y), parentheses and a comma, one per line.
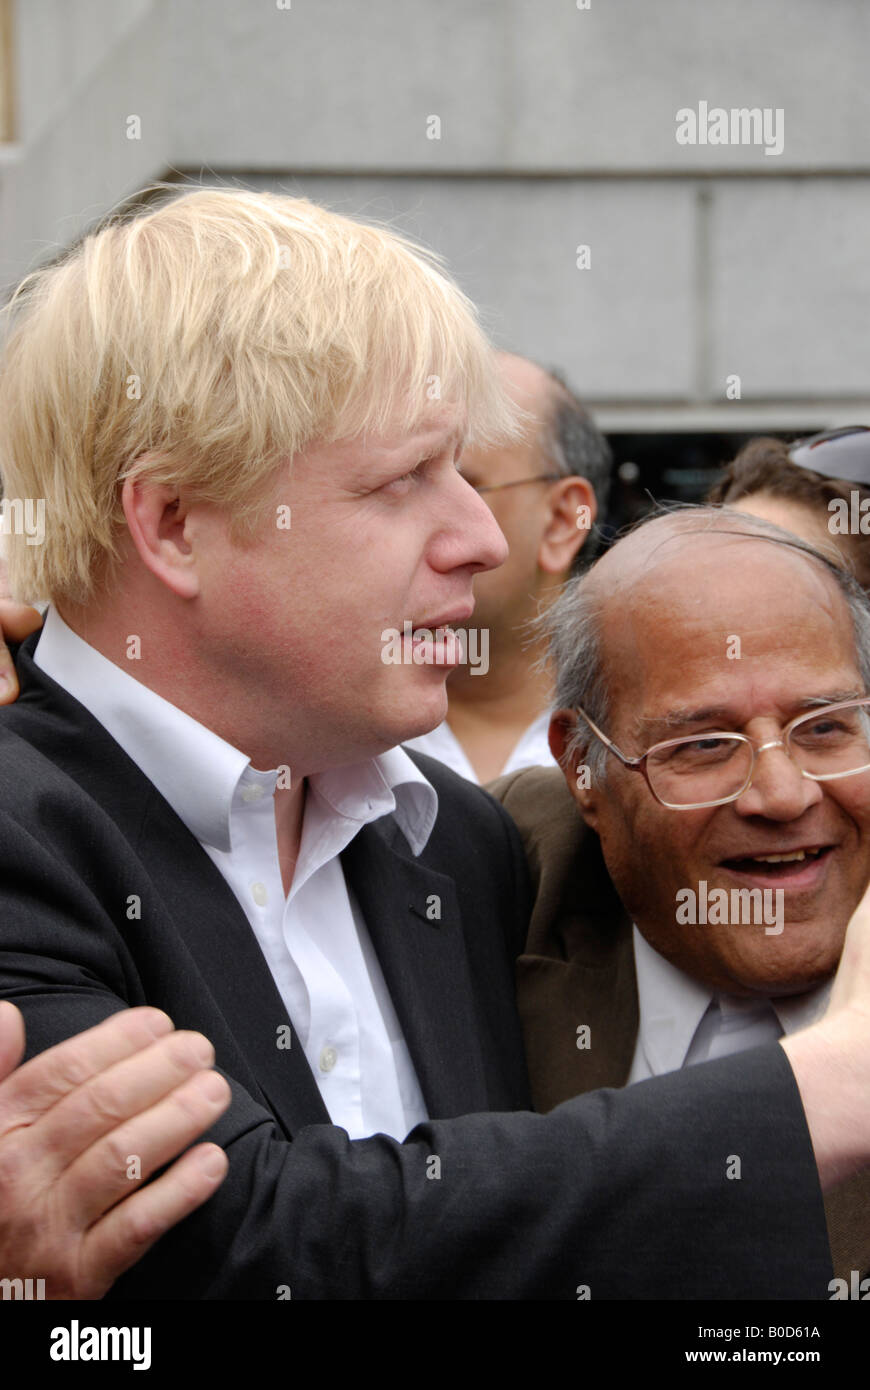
(608,1191)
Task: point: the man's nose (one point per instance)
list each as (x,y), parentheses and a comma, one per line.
(472,536)
(778,791)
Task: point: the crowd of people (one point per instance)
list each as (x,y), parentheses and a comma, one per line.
(443,1042)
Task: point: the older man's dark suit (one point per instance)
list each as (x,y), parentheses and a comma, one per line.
(578,969)
(107,901)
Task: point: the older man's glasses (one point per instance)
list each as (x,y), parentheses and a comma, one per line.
(710,769)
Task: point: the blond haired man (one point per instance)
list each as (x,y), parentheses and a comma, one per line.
(244,415)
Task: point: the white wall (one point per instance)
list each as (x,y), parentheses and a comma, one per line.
(557,127)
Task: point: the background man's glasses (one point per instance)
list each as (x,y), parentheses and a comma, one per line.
(497,487)
(710,769)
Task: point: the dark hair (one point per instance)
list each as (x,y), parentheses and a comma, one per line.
(576,447)
(764,465)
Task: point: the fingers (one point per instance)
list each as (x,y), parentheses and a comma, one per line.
(17,621)
(31,1090)
(130,1153)
(8,678)
(116,1242)
(106,1102)
(11,1038)
(83,1125)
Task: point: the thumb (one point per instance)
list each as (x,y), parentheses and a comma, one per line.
(11,1038)
(17,621)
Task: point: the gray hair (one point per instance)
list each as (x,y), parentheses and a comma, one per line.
(572,626)
(576,448)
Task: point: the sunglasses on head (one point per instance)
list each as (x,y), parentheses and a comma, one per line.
(842,453)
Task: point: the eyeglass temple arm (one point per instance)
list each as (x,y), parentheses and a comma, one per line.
(636,764)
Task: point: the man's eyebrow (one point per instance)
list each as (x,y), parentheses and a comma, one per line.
(426,444)
(819,701)
(685,718)
(682,718)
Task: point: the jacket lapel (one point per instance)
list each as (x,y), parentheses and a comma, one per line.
(576,985)
(235,973)
(847,1211)
(424,963)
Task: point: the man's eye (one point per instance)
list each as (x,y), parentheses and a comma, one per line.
(408,479)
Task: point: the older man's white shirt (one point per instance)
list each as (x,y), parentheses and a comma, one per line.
(683,1022)
(315,940)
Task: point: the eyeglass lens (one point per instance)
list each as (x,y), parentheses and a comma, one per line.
(825,744)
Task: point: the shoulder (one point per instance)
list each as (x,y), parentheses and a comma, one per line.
(533,792)
(61,769)
(540,805)
(476,843)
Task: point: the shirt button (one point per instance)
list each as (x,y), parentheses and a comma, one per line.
(252,793)
(328,1058)
(259,894)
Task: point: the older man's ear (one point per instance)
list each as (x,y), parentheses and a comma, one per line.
(17,621)
(575,771)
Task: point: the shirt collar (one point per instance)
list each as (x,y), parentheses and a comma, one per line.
(800,1010)
(671,1005)
(391,782)
(199,773)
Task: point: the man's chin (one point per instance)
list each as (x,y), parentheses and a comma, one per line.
(420,714)
(788,962)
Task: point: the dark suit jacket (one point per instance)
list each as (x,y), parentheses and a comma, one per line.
(525,1206)
(578,969)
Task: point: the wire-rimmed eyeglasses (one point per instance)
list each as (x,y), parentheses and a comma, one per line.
(711,769)
(498,487)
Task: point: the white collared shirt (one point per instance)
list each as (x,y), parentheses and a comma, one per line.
(683,1022)
(531,750)
(315,940)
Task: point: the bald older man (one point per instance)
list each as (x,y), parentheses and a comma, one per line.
(700,857)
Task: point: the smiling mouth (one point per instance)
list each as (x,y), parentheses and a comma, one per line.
(777,865)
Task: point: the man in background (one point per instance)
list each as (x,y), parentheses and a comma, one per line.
(545,490)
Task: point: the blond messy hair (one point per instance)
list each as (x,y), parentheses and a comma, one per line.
(250,325)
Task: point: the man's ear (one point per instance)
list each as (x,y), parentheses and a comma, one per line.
(572,512)
(157,519)
(576,773)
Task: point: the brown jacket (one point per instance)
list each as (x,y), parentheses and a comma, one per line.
(578,972)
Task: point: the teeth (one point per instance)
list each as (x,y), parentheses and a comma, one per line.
(780,858)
